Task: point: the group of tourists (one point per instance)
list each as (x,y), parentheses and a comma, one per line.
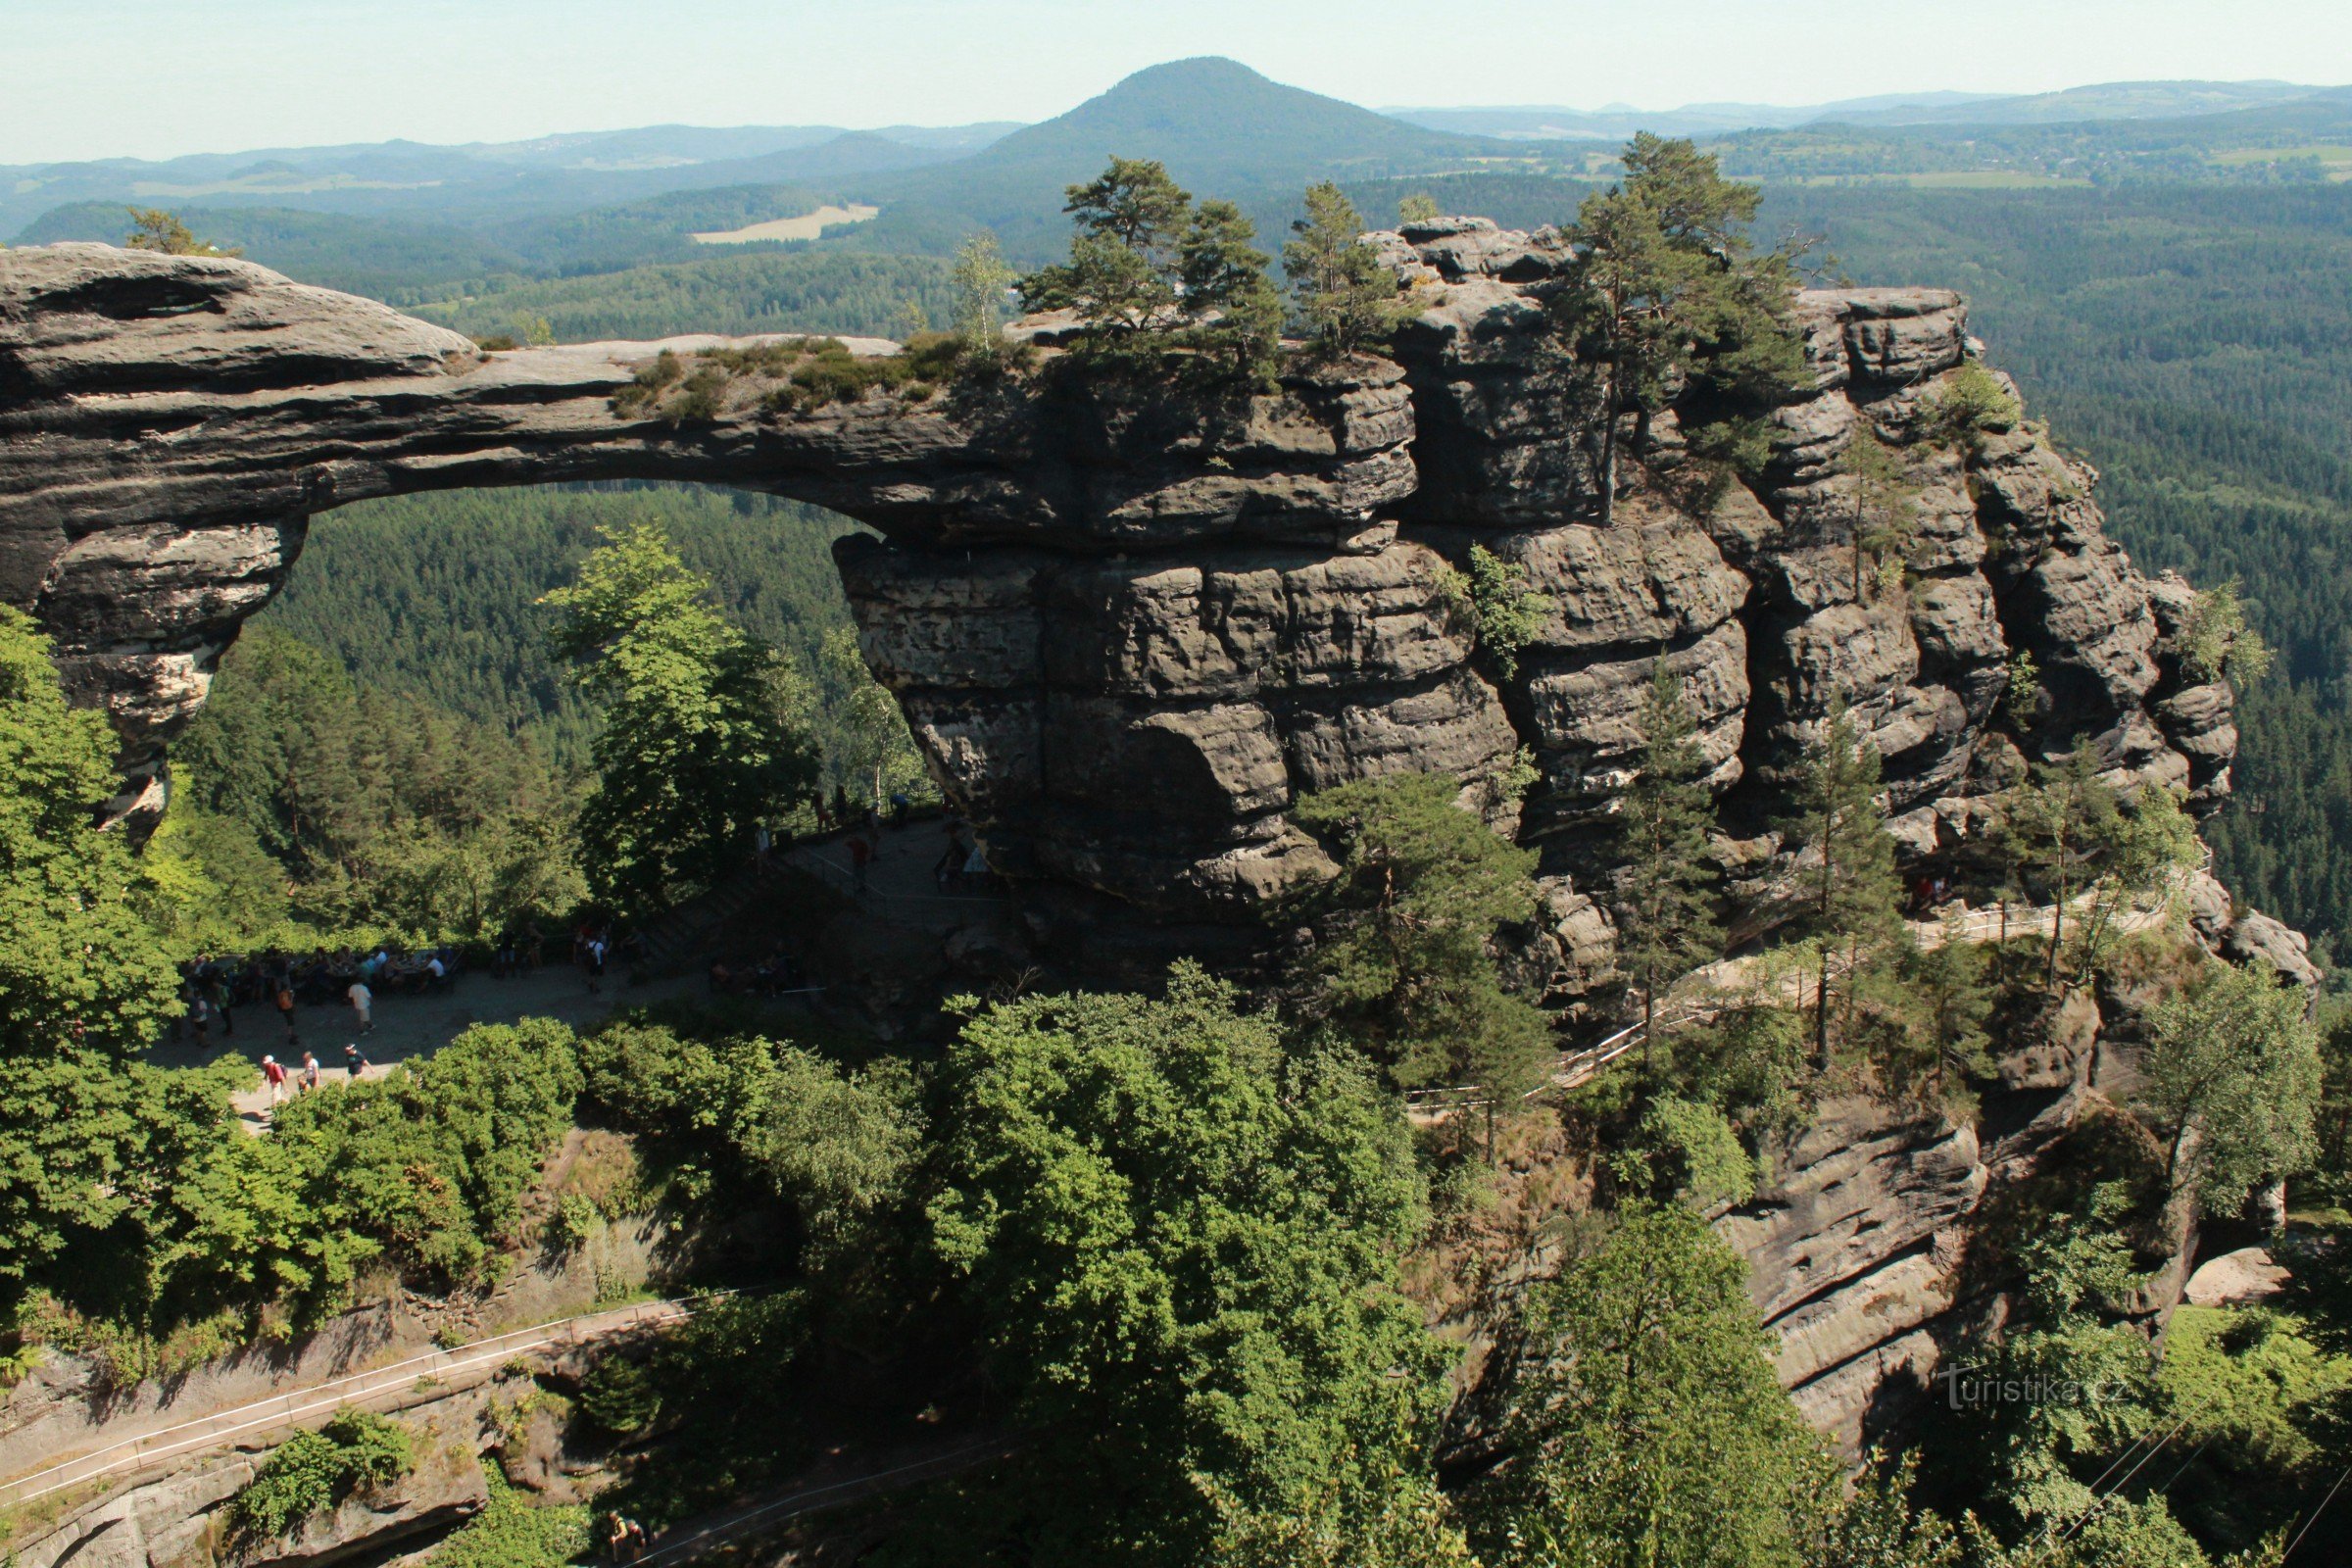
(308,1074)
(211,990)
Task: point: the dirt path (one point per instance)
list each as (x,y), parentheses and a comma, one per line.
(409,1026)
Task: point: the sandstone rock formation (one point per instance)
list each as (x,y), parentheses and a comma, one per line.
(1131,625)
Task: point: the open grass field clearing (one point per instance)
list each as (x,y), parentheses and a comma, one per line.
(808,225)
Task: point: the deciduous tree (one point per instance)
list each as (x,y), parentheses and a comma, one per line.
(706,729)
(1647,1428)
(1181,1242)
(2233,1074)
(79,966)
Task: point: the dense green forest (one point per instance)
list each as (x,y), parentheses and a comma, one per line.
(437,595)
(397,746)
(849,293)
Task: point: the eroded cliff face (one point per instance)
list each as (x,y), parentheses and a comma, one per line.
(1131,625)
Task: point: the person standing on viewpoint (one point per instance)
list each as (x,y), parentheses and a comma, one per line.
(274,1074)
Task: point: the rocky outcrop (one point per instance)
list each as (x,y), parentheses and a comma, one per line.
(1852,1254)
(1131,623)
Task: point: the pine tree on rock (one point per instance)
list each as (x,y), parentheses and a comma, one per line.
(1665,922)
(1406,964)
(1666,291)
(1347,299)
(1850,899)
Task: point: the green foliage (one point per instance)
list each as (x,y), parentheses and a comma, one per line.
(978,282)
(818,291)
(1504,613)
(1689,1150)
(618,1397)
(705,728)
(380,809)
(79,967)
(1848,899)
(1666,291)
(1219,270)
(1148,273)
(1392,1518)
(514,1531)
(436,597)
(745,1112)
(313,1470)
(1969,405)
(1939,1038)
(2232,1075)
(1645,1427)
(871,745)
(153,229)
(1665,921)
(1347,298)
(1886,511)
(427,1166)
(728,1395)
(211,886)
(1418,207)
(1404,959)
(135,1196)
(1181,1247)
(2219,643)
(2070,832)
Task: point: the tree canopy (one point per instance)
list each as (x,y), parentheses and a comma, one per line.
(706,728)
(1667,296)
(1181,1243)
(80,966)
(1404,961)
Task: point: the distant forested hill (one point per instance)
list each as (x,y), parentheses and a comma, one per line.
(845,292)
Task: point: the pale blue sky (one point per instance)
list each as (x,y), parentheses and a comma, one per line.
(82,78)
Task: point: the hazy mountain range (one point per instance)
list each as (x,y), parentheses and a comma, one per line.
(2118,100)
(412,221)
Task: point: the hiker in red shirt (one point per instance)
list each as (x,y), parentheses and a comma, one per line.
(275,1073)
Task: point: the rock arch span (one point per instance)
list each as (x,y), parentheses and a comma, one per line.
(1131,628)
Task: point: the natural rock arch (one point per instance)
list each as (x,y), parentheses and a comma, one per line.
(1130,629)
